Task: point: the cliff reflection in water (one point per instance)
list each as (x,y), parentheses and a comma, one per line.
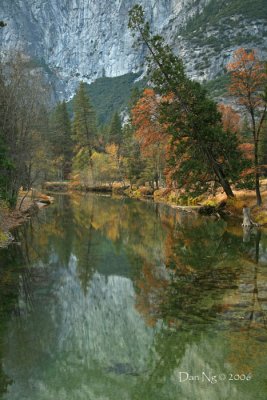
(111,298)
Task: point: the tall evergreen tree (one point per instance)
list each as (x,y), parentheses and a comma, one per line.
(60,138)
(84,122)
(115,131)
(83,128)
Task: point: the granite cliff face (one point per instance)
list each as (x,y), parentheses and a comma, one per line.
(85,39)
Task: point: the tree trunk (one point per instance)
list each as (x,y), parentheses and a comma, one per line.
(222,179)
(157,180)
(247,221)
(218,171)
(257,175)
(22,200)
(256,160)
(246,217)
(258,193)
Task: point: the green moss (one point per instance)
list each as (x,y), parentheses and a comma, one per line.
(3,238)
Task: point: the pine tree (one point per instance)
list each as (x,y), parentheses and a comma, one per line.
(84,122)
(115,131)
(60,139)
(84,129)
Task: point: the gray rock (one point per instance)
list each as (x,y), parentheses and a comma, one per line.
(75,40)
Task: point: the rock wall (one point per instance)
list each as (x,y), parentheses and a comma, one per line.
(85,39)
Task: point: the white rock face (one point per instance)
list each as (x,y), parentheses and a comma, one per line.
(85,39)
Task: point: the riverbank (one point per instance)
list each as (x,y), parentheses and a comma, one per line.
(216,204)
(28,204)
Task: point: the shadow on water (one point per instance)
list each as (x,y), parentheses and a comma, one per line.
(113,297)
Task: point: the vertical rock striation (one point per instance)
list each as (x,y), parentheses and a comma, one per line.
(85,39)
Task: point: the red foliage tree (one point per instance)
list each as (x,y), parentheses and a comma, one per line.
(150,132)
(248,83)
(230,118)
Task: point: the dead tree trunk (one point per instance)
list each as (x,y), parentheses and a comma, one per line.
(247,221)
(246,217)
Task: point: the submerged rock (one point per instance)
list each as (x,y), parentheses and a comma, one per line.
(122,369)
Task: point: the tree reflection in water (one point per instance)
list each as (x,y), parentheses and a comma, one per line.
(114,296)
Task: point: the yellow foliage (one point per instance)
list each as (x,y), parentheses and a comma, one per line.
(261,217)
(235,204)
(112,149)
(3,237)
(211,202)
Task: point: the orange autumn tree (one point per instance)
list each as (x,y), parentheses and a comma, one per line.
(248,83)
(230,118)
(150,133)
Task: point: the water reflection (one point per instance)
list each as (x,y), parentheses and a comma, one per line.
(111,299)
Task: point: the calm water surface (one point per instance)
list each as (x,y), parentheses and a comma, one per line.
(111,299)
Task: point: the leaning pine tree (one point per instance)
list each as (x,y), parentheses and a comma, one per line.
(201,151)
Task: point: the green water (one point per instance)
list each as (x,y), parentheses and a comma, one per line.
(115,299)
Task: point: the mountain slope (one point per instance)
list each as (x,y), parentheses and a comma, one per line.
(210,37)
(110,95)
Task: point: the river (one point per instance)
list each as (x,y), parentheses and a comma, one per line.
(117,299)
